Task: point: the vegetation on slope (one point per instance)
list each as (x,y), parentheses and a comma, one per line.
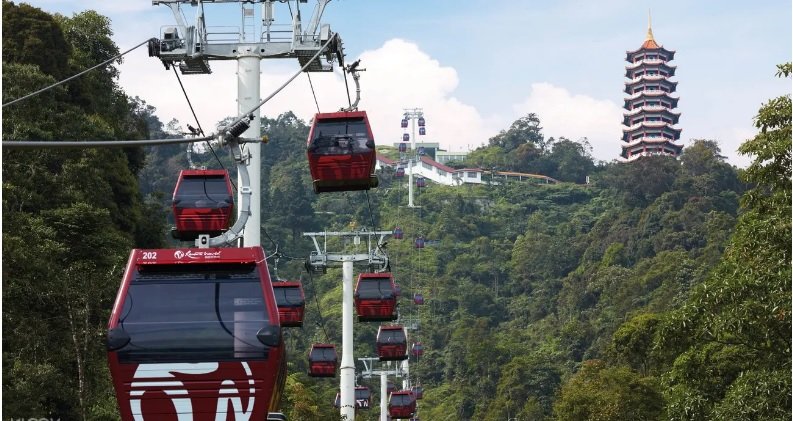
(658,291)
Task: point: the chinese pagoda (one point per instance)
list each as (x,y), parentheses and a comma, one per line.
(649,118)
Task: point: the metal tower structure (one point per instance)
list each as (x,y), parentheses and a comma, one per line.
(383,373)
(412,115)
(319,260)
(191,47)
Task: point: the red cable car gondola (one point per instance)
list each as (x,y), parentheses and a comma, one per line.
(404,123)
(418,392)
(341,152)
(422,122)
(398,234)
(401,404)
(202,203)
(420,242)
(403,147)
(363,397)
(390,388)
(322,360)
(418,298)
(190,333)
(392,343)
(422,131)
(421,151)
(417,349)
(400,172)
(376,297)
(405,137)
(291,303)
(420,182)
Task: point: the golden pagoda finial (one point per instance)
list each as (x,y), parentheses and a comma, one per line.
(649,26)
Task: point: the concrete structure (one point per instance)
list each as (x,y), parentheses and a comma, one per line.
(650,117)
(448,176)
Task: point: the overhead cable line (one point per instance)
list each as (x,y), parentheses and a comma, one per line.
(132,143)
(347,88)
(319,309)
(189,104)
(200,129)
(77,75)
(312,90)
(98,143)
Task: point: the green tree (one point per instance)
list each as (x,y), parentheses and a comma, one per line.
(599,392)
(744,309)
(525,130)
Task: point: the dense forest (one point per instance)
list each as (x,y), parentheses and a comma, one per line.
(659,290)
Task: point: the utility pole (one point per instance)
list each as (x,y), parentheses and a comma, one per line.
(384,371)
(412,114)
(191,47)
(319,260)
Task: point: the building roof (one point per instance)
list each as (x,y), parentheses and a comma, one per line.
(649,42)
(435,164)
(385,160)
(470,170)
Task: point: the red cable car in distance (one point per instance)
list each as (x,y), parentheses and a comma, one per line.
(376,297)
(392,343)
(202,203)
(322,360)
(193,330)
(291,303)
(401,404)
(341,152)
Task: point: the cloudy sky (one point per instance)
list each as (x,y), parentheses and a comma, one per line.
(474,67)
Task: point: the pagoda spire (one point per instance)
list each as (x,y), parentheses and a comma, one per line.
(649,26)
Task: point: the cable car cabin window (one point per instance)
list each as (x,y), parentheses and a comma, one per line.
(401,399)
(319,354)
(194,313)
(339,136)
(374,288)
(203,192)
(390,336)
(288,297)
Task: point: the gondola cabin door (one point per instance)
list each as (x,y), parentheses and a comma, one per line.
(194,335)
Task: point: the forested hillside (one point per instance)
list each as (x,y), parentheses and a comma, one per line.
(659,290)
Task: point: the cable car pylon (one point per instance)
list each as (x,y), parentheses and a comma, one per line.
(383,372)
(191,47)
(318,261)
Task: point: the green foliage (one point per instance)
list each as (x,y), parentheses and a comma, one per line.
(31,36)
(599,392)
(70,217)
(738,321)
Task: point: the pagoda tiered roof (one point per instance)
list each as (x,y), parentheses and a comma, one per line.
(650,112)
(649,95)
(650,79)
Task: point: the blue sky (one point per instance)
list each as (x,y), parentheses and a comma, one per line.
(477,66)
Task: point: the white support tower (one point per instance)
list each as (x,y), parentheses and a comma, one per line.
(319,260)
(412,114)
(191,47)
(384,371)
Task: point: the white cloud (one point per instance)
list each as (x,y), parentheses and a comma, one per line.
(398,75)
(575,116)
